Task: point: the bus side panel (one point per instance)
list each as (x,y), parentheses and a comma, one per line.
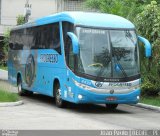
(10,67)
(50,66)
(16,62)
(69,90)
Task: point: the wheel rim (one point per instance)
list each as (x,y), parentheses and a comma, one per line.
(58,97)
(19,88)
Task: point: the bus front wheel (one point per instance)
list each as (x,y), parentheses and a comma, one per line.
(111,106)
(58,100)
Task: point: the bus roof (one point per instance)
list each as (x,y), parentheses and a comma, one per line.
(84,19)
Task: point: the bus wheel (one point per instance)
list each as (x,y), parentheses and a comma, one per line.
(19,85)
(111,106)
(59,102)
(29,93)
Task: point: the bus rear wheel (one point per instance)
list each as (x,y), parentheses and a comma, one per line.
(111,106)
(21,92)
(57,93)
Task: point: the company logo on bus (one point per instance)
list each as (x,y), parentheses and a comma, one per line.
(98,84)
(111,91)
(120,84)
(30,70)
(50,58)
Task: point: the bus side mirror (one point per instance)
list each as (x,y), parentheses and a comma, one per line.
(147,45)
(74,40)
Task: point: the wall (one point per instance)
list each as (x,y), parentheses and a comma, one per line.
(10,9)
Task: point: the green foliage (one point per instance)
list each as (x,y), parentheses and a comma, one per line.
(20,20)
(6,40)
(148,22)
(149,89)
(148,25)
(7,96)
(126,8)
(3,67)
(151,100)
(5,46)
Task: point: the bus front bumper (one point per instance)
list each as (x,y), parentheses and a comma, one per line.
(84,96)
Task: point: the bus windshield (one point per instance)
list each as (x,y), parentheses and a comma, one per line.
(108,53)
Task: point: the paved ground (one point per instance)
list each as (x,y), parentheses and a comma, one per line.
(40,112)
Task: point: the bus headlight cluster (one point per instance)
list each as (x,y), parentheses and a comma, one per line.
(107,90)
(83,86)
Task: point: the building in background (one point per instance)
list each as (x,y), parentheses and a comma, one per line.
(10,9)
(70,5)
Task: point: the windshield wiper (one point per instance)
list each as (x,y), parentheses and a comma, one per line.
(122,69)
(117,54)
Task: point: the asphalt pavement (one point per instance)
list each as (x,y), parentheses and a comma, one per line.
(40,113)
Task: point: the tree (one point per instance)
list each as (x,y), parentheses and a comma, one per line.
(126,8)
(20,19)
(148,25)
(5,46)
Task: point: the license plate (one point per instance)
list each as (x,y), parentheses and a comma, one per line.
(111,98)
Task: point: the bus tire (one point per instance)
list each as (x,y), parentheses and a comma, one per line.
(57,93)
(29,93)
(21,91)
(111,106)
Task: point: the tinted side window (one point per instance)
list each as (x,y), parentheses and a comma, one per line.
(30,37)
(68,27)
(70,55)
(25,39)
(47,37)
(40,37)
(11,40)
(56,37)
(16,39)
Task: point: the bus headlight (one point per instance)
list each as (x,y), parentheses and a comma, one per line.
(80,96)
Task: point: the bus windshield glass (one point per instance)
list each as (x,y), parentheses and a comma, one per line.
(108,53)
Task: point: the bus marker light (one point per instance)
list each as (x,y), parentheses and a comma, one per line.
(138,97)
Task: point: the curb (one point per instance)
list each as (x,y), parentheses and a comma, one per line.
(146,106)
(5,80)
(11,104)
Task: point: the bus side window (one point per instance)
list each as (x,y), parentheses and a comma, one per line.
(55,35)
(11,40)
(18,44)
(68,27)
(70,54)
(31,42)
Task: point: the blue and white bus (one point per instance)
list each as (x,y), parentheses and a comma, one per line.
(78,57)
